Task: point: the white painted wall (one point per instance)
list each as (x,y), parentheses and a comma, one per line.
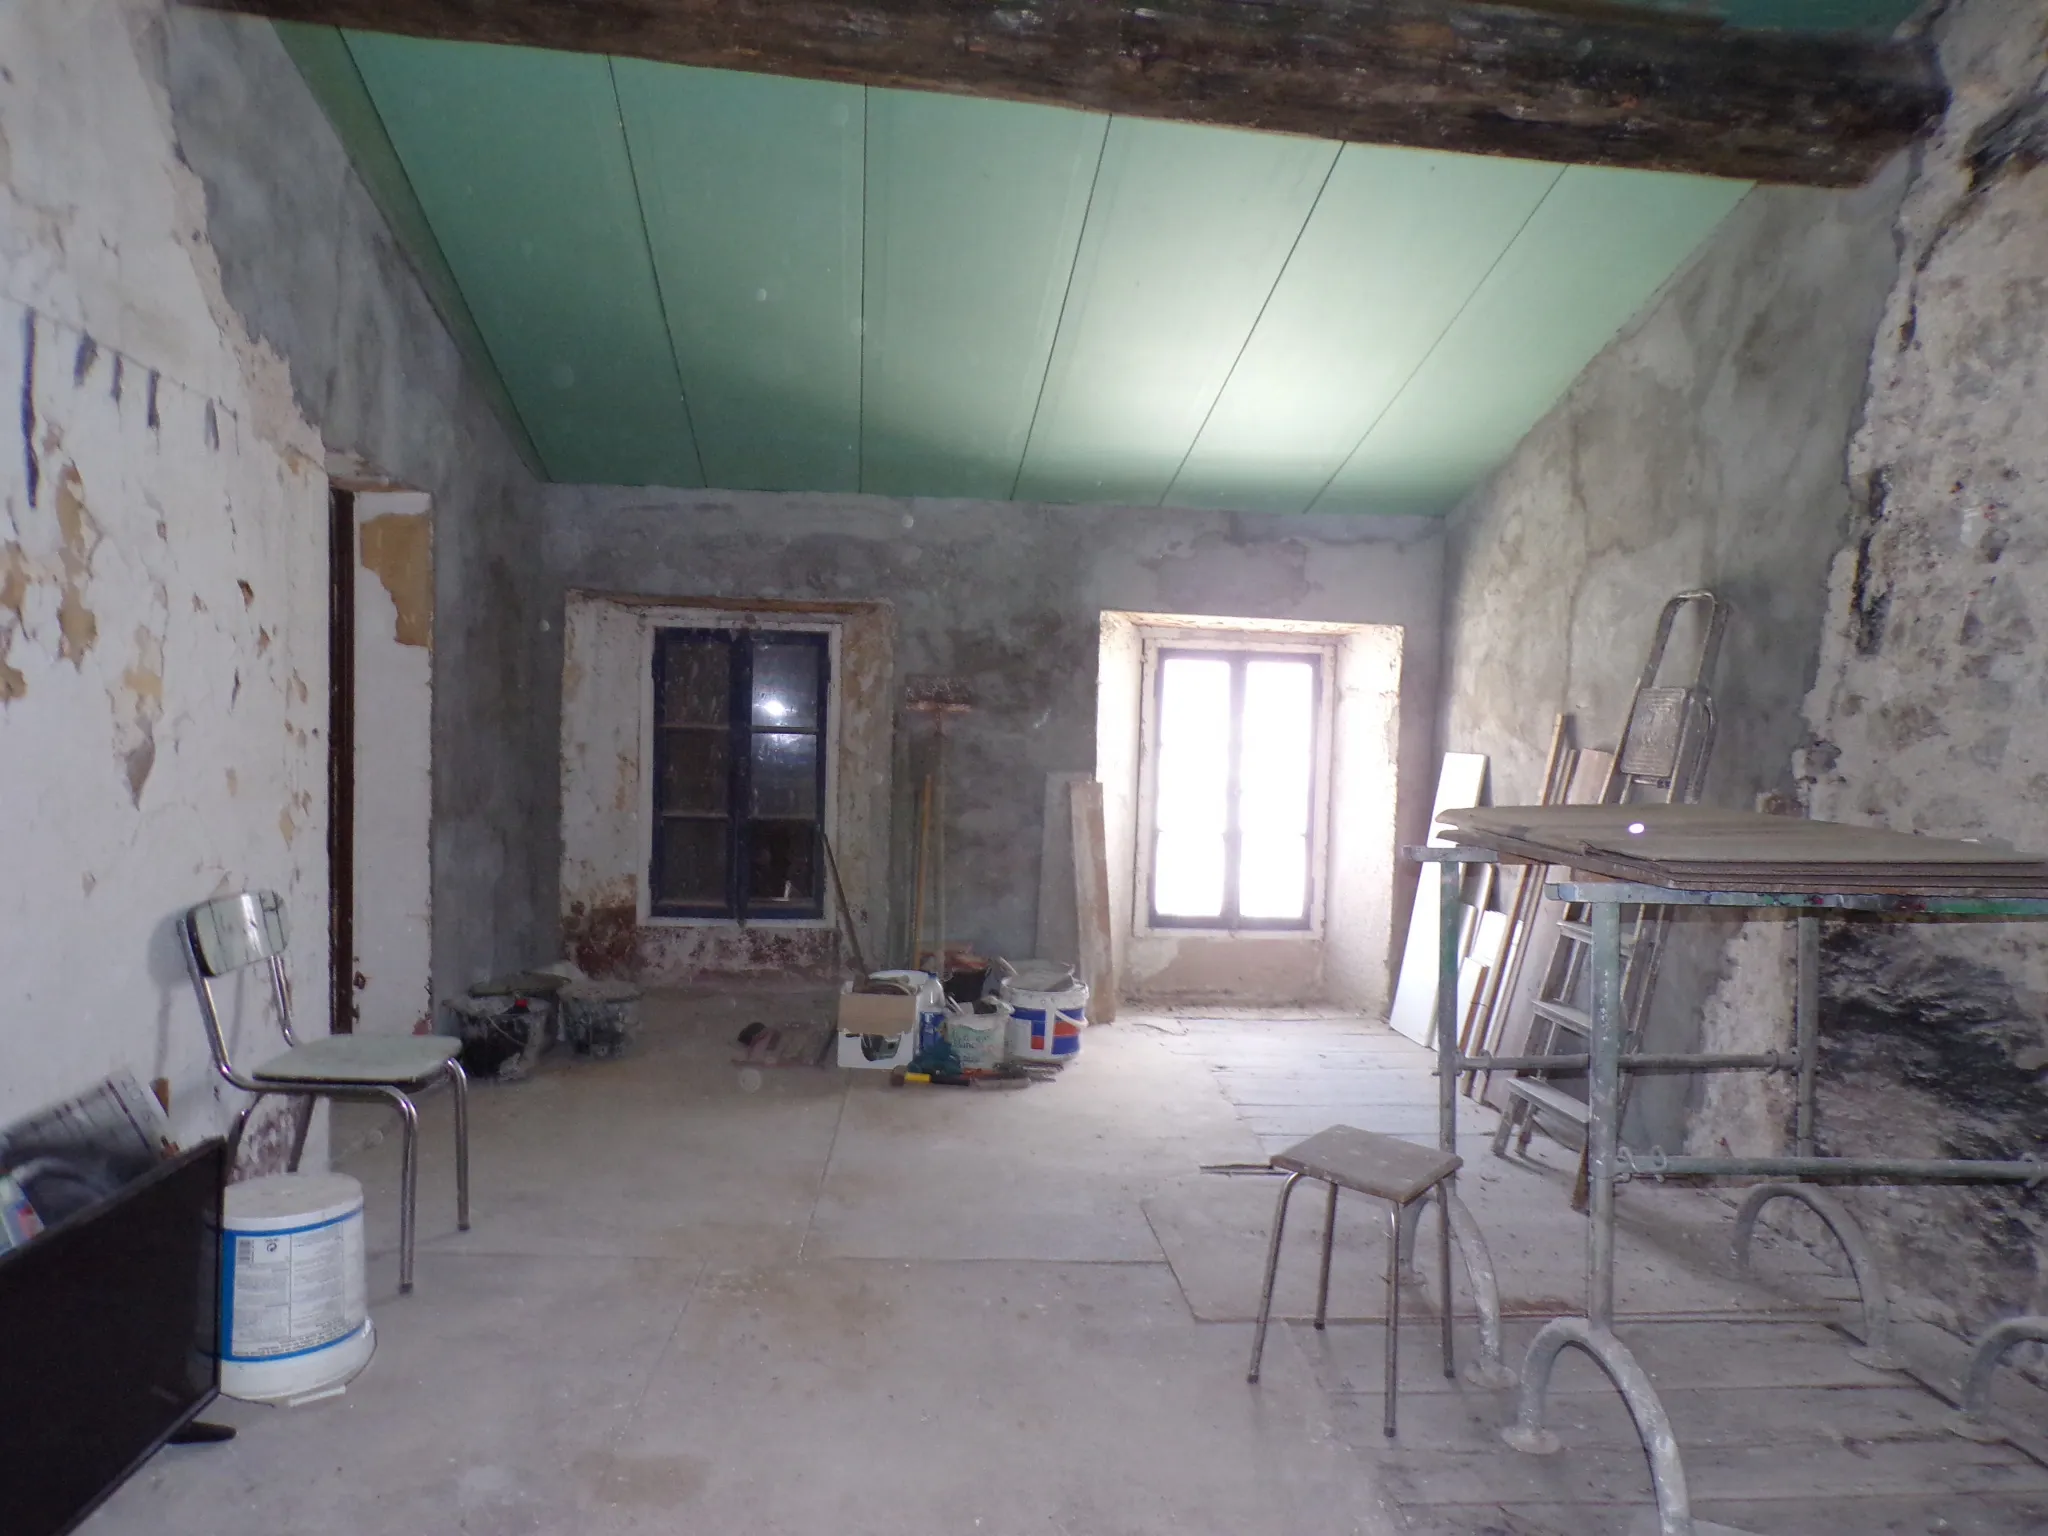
(394,715)
(163,668)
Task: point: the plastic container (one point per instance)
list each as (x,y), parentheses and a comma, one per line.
(1046,1026)
(981,1039)
(931,1005)
(294,1313)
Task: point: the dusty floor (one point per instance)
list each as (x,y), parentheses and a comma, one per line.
(697,1300)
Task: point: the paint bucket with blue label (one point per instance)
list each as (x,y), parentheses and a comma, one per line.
(1046,1026)
(294,1311)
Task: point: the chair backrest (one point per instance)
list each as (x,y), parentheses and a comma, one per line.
(228,934)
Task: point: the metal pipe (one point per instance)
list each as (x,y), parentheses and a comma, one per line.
(1566,1064)
(1806,1029)
(1871,1290)
(1972,1419)
(1490,1369)
(1902,1170)
(1452,885)
(1653,1425)
(1272,1269)
(1329,1247)
(1603,1098)
(1392,1389)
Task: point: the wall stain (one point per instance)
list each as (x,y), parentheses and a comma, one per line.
(31,464)
(139,703)
(600,938)
(399,548)
(13,593)
(79,537)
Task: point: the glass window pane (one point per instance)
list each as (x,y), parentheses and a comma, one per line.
(787,678)
(783,864)
(1187,874)
(785,776)
(1278,766)
(692,866)
(1272,877)
(696,770)
(1193,781)
(696,681)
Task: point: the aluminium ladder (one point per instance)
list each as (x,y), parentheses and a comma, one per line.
(1663,759)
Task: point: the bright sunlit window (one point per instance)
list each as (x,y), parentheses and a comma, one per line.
(1234,787)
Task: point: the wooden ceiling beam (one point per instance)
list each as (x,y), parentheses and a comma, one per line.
(1559,80)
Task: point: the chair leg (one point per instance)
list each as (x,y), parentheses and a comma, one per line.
(235,1132)
(1393,1316)
(302,1111)
(1272,1268)
(408,1184)
(1329,1242)
(459,1080)
(1443,1270)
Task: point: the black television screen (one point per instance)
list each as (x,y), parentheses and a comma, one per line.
(109,1333)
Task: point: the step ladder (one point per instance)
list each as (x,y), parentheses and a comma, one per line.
(1663,759)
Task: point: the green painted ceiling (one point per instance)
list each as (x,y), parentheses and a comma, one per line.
(693,278)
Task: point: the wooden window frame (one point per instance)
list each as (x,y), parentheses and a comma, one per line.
(741,730)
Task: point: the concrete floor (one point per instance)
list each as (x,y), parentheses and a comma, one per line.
(796,1300)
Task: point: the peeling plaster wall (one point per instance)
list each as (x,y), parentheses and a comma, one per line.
(1010,598)
(163,662)
(1704,447)
(307,258)
(1929,712)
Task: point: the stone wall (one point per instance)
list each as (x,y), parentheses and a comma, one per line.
(1703,448)
(1929,711)
(1009,597)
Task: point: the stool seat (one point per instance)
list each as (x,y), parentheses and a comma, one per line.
(1385,1167)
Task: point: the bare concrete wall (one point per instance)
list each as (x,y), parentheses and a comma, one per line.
(306,258)
(1010,598)
(1705,447)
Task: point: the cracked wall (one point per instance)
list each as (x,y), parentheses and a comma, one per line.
(162,587)
(1009,598)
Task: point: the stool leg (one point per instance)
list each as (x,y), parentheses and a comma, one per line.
(1443,1268)
(1272,1268)
(1329,1242)
(1393,1314)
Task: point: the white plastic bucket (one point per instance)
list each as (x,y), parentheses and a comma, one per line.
(1046,1026)
(982,1039)
(294,1311)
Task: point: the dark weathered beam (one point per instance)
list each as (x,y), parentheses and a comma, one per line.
(1543,79)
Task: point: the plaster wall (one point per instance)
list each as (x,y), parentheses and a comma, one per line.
(394,770)
(1705,447)
(163,662)
(305,255)
(1929,708)
(1009,598)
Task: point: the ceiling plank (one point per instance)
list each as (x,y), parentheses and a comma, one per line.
(1187,232)
(1573,81)
(1602,243)
(974,219)
(752,192)
(520,163)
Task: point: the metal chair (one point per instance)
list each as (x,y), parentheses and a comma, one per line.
(1386,1168)
(232,932)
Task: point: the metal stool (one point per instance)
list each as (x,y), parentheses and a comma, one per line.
(1386,1168)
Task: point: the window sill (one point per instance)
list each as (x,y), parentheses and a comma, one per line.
(1249,935)
(778,924)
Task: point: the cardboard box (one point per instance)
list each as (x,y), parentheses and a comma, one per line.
(877,1029)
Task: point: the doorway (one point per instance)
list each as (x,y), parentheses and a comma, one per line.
(380,761)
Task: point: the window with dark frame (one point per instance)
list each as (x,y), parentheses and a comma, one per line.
(1235,788)
(739,774)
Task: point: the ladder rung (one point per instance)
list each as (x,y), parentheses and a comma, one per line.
(1583,933)
(1561,1013)
(1543,1096)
